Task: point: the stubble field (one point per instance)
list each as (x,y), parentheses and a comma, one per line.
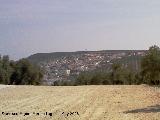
(79,103)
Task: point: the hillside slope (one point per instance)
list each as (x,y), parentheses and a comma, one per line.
(41,57)
(67,65)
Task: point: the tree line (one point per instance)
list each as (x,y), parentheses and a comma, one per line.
(20,72)
(149,73)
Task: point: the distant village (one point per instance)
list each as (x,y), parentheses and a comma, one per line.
(67,67)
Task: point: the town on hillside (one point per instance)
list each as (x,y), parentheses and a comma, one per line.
(67,67)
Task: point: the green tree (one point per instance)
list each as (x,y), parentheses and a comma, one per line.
(116,75)
(97,78)
(84,78)
(26,74)
(5,70)
(151,66)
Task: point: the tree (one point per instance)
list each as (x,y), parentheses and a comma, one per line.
(116,75)
(5,69)
(26,74)
(151,66)
(19,72)
(84,78)
(97,78)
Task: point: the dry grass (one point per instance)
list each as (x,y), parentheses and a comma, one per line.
(91,102)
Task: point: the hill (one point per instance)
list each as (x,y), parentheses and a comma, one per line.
(41,57)
(67,65)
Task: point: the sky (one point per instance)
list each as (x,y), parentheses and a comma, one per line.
(41,26)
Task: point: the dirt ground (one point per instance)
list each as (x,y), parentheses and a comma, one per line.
(80,103)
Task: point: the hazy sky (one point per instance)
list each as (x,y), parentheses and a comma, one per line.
(31,26)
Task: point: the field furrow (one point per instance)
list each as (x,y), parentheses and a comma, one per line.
(80,103)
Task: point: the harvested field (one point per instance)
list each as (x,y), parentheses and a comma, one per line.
(4,86)
(80,103)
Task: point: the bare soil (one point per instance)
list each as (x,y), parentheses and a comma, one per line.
(80,103)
